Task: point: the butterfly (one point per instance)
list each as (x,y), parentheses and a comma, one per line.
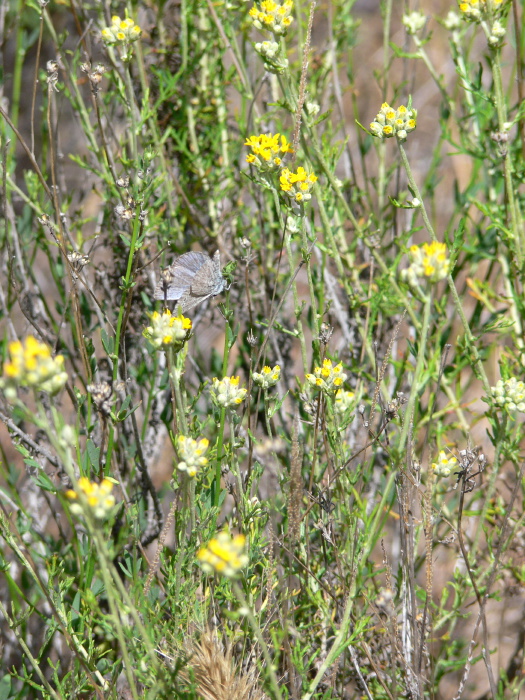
(192,278)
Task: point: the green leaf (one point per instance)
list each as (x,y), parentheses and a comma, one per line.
(93,453)
(5,688)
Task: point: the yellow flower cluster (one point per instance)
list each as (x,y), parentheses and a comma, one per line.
(391,122)
(267,151)
(444,466)
(429,260)
(191,453)
(226,393)
(273,16)
(32,365)
(121,31)
(509,394)
(223,554)
(267,377)
(267,156)
(327,378)
(477,10)
(98,497)
(297,185)
(167,330)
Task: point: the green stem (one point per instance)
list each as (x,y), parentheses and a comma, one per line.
(343,637)
(488,492)
(452,285)
(518,235)
(131,101)
(426,60)
(216,486)
(297,305)
(414,392)
(268,668)
(235,468)
(20,53)
(176,371)
(313,294)
(266,413)
(127,284)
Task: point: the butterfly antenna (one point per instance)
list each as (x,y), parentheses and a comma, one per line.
(153,259)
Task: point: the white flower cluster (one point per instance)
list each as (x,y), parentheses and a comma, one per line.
(191,453)
(509,394)
(344,400)
(414,21)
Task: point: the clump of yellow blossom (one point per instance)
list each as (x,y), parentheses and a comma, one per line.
(224,554)
(273,16)
(121,31)
(32,365)
(97,496)
(297,185)
(191,453)
(167,330)
(478,10)
(225,393)
(444,466)
(267,377)
(429,261)
(328,378)
(391,122)
(267,151)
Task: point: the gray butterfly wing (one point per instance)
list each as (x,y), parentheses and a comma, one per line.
(220,282)
(182,273)
(188,301)
(207,282)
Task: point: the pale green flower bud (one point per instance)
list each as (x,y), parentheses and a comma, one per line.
(414,22)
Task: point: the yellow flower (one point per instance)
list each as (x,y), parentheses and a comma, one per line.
(267,151)
(272,16)
(477,10)
(429,260)
(390,122)
(97,496)
(224,554)
(297,185)
(267,377)
(121,31)
(166,330)
(445,465)
(225,392)
(32,365)
(327,378)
